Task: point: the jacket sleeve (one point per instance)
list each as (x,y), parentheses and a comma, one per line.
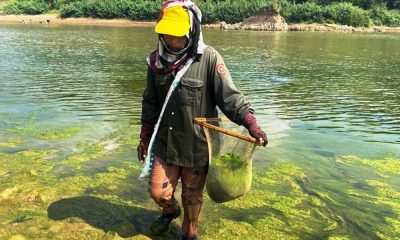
(227,97)
(150,104)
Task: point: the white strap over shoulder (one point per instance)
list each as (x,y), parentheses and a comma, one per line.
(148,162)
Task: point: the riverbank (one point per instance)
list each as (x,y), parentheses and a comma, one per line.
(314,27)
(55,19)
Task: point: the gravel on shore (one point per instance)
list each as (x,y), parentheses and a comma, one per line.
(55,19)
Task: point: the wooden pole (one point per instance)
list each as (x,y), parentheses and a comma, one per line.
(204,123)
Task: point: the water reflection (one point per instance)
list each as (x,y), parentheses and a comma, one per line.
(344,82)
(341,82)
(88,71)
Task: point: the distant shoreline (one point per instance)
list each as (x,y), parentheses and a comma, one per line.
(301,27)
(56,20)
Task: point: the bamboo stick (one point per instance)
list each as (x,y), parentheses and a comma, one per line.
(203,122)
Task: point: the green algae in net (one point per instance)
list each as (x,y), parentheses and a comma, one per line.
(230,158)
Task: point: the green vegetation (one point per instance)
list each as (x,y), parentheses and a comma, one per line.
(341,12)
(230,11)
(135,10)
(352,12)
(92,192)
(59,134)
(229,177)
(27,7)
(2,4)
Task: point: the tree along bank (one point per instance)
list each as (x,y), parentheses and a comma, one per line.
(56,20)
(356,13)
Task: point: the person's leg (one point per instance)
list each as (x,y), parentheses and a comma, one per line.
(193,181)
(162,185)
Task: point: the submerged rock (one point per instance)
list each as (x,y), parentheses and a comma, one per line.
(111,144)
(125,229)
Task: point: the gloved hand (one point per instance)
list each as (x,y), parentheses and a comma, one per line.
(145,135)
(255,131)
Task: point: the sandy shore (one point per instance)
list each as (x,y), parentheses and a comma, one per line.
(54,19)
(313,27)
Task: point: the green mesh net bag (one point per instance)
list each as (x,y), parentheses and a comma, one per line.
(230,158)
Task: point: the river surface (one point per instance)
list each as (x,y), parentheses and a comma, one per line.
(330,103)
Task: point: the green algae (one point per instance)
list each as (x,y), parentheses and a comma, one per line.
(384,193)
(280,204)
(339,238)
(17,237)
(59,134)
(11,143)
(268,212)
(229,177)
(388,165)
(37,202)
(87,151)
(28,186)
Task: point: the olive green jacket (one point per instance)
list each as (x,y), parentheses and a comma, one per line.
(205,85)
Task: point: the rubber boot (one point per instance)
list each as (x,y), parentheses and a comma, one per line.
(162,222)
(184,237)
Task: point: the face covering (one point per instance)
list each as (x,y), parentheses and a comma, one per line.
(176,51)
(166,59)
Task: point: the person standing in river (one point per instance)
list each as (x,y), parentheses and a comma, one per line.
(180,149)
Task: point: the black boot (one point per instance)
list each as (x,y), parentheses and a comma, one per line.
(185,237)
(162,222)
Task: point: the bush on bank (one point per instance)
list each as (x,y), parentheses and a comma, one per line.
(347,14)
(135,10)
(382,16)
(341,13)
(27,7)
(230,11)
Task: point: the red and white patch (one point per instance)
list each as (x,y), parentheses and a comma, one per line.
(221,69)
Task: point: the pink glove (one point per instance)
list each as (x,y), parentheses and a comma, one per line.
(255,131)
(145,135)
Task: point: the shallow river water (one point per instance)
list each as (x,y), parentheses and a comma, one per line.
(70,102)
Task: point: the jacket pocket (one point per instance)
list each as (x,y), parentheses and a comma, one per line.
(190,90)
(162,83)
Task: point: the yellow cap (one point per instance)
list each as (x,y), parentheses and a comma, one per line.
(174,22)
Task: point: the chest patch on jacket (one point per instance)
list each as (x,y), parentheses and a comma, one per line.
(221,69)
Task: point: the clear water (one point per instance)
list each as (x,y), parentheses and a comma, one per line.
(319,96)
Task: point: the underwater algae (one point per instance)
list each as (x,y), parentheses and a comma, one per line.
(385,192)
(59,133)
(59,194)
(29,186)
(284,204)
(11,142)
(388,165)
(269,211)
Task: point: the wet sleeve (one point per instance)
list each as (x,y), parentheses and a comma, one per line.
(227,97)
(150,103)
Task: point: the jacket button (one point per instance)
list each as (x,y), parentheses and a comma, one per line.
(170,128)
(172,113)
